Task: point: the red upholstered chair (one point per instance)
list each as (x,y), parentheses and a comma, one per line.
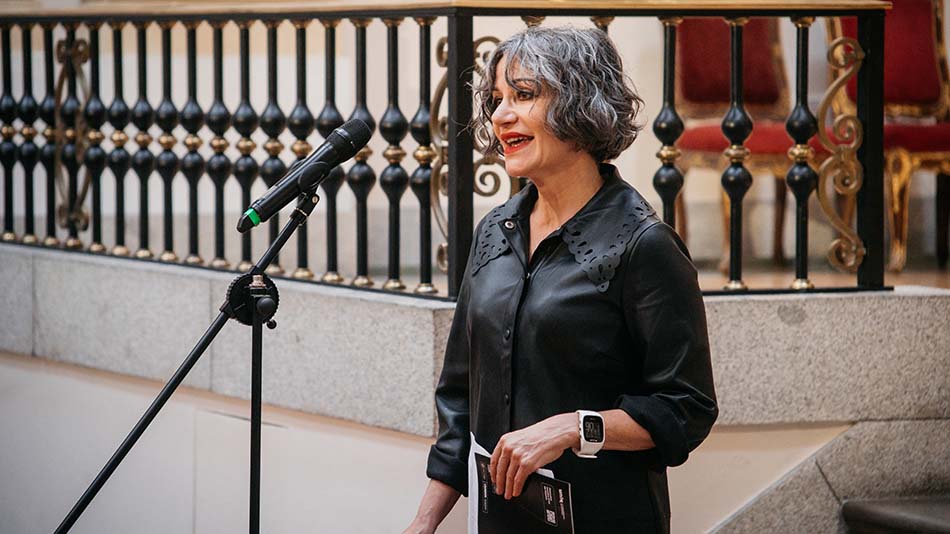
(702,83)
(917,111)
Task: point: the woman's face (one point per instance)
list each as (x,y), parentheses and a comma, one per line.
(519,124)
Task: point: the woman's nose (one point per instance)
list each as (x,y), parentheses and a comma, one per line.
(503,114)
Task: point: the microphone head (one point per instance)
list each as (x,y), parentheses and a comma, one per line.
(354,135)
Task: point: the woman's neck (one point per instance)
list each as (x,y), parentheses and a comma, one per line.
(564,193)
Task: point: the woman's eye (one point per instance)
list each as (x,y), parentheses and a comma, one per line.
(495,102)
(525,95)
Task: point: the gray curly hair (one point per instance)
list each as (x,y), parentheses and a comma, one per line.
(592,102)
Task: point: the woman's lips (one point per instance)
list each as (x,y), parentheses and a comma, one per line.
(511,149)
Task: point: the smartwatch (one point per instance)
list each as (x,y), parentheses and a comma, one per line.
(591,427)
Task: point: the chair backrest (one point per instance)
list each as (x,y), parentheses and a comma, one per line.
(916,81)
(702,71)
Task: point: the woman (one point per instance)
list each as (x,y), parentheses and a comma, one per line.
(576,298)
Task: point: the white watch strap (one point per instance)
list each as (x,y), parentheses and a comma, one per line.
(589,449)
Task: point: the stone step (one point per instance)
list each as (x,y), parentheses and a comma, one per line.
(929,514)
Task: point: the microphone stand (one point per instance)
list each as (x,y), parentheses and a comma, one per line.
(252,300)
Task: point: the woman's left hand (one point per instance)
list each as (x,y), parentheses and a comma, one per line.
(522,452)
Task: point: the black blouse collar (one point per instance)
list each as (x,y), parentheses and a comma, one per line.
(597,235)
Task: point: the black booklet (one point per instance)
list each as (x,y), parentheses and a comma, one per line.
(544,505)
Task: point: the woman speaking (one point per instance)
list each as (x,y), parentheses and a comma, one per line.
(579,340)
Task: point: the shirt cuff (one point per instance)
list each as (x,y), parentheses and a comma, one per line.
(448,469)
(662,423)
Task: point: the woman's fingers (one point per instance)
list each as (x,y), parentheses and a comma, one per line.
(513,465)
(501,468)
(517,485)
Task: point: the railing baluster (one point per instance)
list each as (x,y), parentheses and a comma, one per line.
(95,155)
(48,152)
(393,126)
(461,167)
(119,158)
(801,178)
(166,117)
(69,113)
(421,179)
(870,111)
(29,152)
(245,121)
(273,122)
(219,166)
(192,164)
(602,23)
(736,179)
(361,177)
(668,180)
(301,124)
(8,151)
(143,161)
(328,120)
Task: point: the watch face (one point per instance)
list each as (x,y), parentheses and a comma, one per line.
(593,429)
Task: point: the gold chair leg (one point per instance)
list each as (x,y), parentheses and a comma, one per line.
(899,166)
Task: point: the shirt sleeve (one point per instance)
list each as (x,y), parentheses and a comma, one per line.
(448,457)
(664,311)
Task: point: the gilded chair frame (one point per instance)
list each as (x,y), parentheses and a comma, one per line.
(899,163)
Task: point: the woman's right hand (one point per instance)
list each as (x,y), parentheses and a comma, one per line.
(437,502)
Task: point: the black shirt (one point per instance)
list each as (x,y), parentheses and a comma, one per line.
(607,314)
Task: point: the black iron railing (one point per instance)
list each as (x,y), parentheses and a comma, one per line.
(84,136)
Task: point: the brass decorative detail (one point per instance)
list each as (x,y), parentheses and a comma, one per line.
(244,266)
(802,22)
(330,23)
(191,24)
(50,134)
(802,284)
(332,277)
(167,141)
(303,273)
(301,148)
(244,24)
(842,168)
(28,133)
(215,24)
(95,137)
(142,23)
(97,248)
(119,138)
(246,145)
(300,24)
(30,239)
(532,21)
(73,243)
(736,153)
(117,24)
(735,285)
(394,284)
(219,145)
(442,257)
(168,257)
(424,154)
(393,21)
(362,281)
(192,142)
(272,23)
(668,154)
(671,21)
(143,254)
(801,153)
(360,22)
(737,21)
(50,241)
(143,139)
(194,259)
(363,154)
(273,147)
(120,250)
(220,263)
(394,154)
(7,132)
(166,24)
(899,166)
(8,237)
(602,22)
(274,269)
(70,135)
(425,289)
(424,21)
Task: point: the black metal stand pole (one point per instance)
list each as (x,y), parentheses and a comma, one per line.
(256,308)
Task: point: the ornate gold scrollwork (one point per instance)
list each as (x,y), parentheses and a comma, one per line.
(488,180)
(76,55)
(842,168)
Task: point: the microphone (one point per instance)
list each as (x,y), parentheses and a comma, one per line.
(303,176)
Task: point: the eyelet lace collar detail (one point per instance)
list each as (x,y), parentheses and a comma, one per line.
(598,239)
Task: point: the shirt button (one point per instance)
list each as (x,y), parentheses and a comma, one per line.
(507,399)
(507,333)
(527,277)
(509,224)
